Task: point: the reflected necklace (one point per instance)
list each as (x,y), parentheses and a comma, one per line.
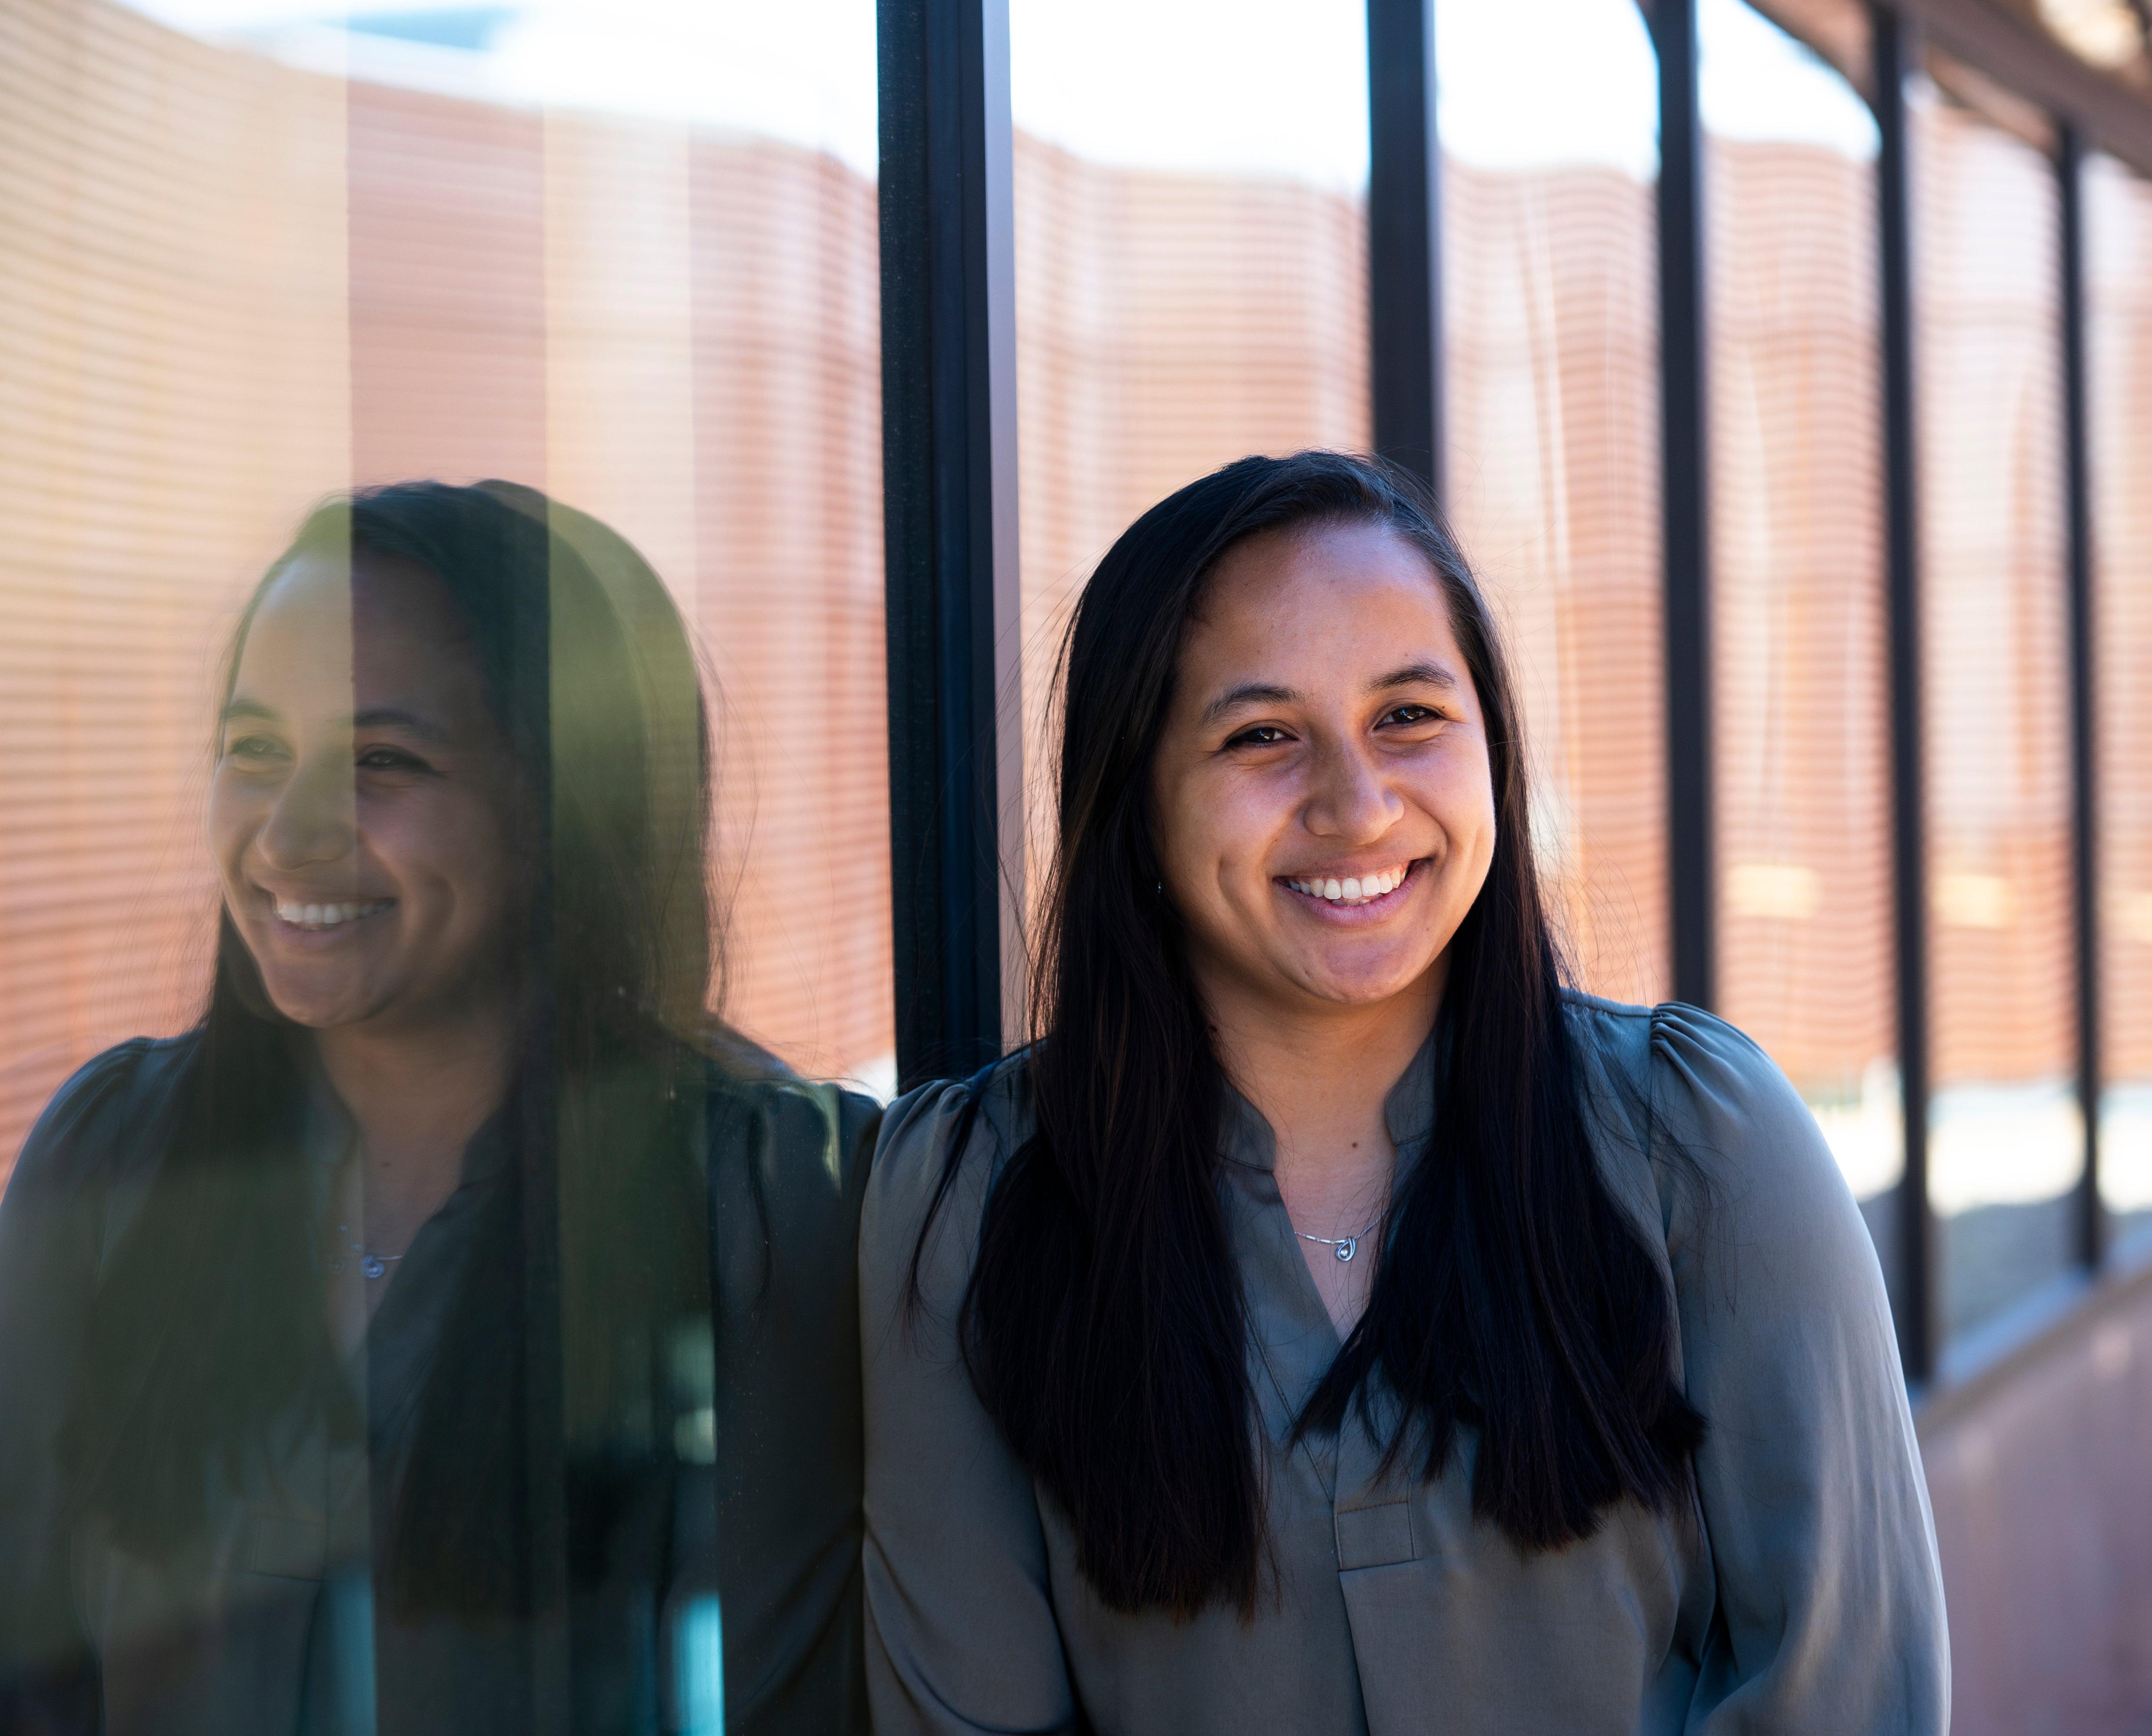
(1345,1246)
(375,1265)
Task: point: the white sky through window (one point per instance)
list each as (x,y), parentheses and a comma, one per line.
(1757,83)
(1236,87)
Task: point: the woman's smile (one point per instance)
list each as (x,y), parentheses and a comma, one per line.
(1355,895)
(296,915)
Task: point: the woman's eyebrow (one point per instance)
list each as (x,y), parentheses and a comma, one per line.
(392,717)
(380,717)
(1249,692)
(1412,675)
(1264,693)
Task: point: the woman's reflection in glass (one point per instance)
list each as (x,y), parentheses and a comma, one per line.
(456,1330)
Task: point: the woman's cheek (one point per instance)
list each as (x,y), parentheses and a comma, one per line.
(1461,798)
(233,819)
(1248,811)
(1236,852)
(465,845)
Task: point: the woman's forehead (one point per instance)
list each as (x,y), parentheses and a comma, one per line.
(359,581)
(354,626)
(1321,601)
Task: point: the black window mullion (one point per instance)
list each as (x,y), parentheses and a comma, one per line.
(2084,790)
(1404,238)
(948,481)
(1914,1294)
(1686,496)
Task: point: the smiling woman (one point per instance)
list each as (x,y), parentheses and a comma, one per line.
(1333,821)
(374,1352)
(1336,1316)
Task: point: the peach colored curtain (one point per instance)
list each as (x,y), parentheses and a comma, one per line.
(1552,358)
(2005,1143)
(237,287)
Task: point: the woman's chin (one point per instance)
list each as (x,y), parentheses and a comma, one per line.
(1360,983)
(319,1007)
(320,1018)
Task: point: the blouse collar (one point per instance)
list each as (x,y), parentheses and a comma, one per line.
(1408,1111)
(331,1136)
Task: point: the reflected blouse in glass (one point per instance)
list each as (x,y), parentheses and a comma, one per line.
(1798,1591)
(267,1624)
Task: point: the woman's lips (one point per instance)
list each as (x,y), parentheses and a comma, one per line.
(1343,895)
(295,915)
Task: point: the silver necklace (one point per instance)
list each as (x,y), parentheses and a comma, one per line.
(1345,1246)
(375,1265)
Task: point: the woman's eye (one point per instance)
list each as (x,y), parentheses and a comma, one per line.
(1410,715)
(253,749)
(1262,735)
(390,759)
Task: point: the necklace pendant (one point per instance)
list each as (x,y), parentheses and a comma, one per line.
(374,1265)
(1348,1247)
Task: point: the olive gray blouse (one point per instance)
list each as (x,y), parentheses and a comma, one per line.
(1798,1591)
(266,1625)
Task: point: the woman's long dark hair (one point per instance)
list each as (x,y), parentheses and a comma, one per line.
(1104,1326)
(550,1369)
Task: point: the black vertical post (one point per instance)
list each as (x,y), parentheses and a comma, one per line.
(1914,1299)
(2084,784)
(1685,487)
(544,1425)
(1404,238)
(948,481)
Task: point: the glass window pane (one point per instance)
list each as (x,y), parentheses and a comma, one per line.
(1549,134)
(2118,333)
(178,362)
(1190,186)
(484,862)
(1799,607)
(572,273)
(2006,1145)
(664,302)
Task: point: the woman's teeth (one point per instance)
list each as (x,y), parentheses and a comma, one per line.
(1362,891)
(327,916)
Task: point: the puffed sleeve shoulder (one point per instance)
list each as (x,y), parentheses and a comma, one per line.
(788,1163)
(107,1122)
(1829,1598)
(960,1633)
(915,1177)
(788,1167)
(86,1162)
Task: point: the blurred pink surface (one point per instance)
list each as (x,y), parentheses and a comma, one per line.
(2041,1475)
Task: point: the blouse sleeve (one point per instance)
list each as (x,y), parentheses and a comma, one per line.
(788,1170)
(53,1226)
(1829,1606)
(961,1632)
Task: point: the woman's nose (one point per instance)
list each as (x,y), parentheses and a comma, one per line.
(315,817)
(1351,801)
